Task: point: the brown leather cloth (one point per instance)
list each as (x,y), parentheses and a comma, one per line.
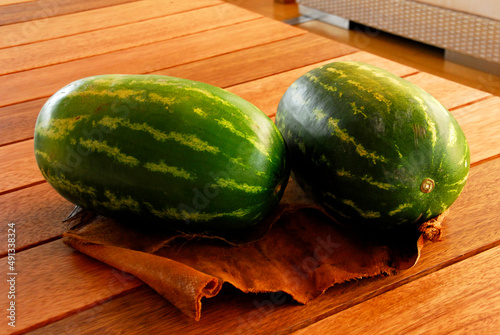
(297,250)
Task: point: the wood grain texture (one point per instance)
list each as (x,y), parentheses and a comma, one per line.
(11,2)
(467,232)
(481,123)
(37,212)
(260,61)
(142,304)
(145,58)
(71,282)
(39,9)
(93,20)
(59,50)
(17,122)
(450,94)
(462,298)
(18,166)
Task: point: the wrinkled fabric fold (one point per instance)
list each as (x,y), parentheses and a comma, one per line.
(182,285)
(297,250)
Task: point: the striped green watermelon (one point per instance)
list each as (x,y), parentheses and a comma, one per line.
(374,149)
(165,149)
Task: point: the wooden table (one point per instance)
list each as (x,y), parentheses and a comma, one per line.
(455,287)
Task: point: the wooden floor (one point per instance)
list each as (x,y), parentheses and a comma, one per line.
(417,55)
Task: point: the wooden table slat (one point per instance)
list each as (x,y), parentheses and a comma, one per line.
(18,167)
(93,20)
(12,2)
(481,123)
(452,95)
(144,59)
(59,50)
(38,213)
(260,61)
(17,122)
(40,9)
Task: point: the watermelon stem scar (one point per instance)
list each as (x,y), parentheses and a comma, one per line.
(427,185)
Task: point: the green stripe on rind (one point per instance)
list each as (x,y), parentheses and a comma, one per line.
(209,95)
(200,112)
(316,80)
(188,140)
(42,154)
(349,203)
(367,214)
(110,151)
(239,162)
(57,129)
(358,110)
(367,179)
(184,215)
(138,95)
(356,85)
(336,210)
(400,208)
(171,170)
(338,72)
(254,141)
(452,137)
(457,186)
(343,135)
(119,203)
(191,88)
(233,185)
(167,101)
(431,125)
(61,183)
(46,157)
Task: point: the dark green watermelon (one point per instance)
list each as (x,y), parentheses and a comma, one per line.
(374,149)
(160,148)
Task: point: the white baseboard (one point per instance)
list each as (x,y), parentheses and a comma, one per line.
(308,13)
(472,62)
